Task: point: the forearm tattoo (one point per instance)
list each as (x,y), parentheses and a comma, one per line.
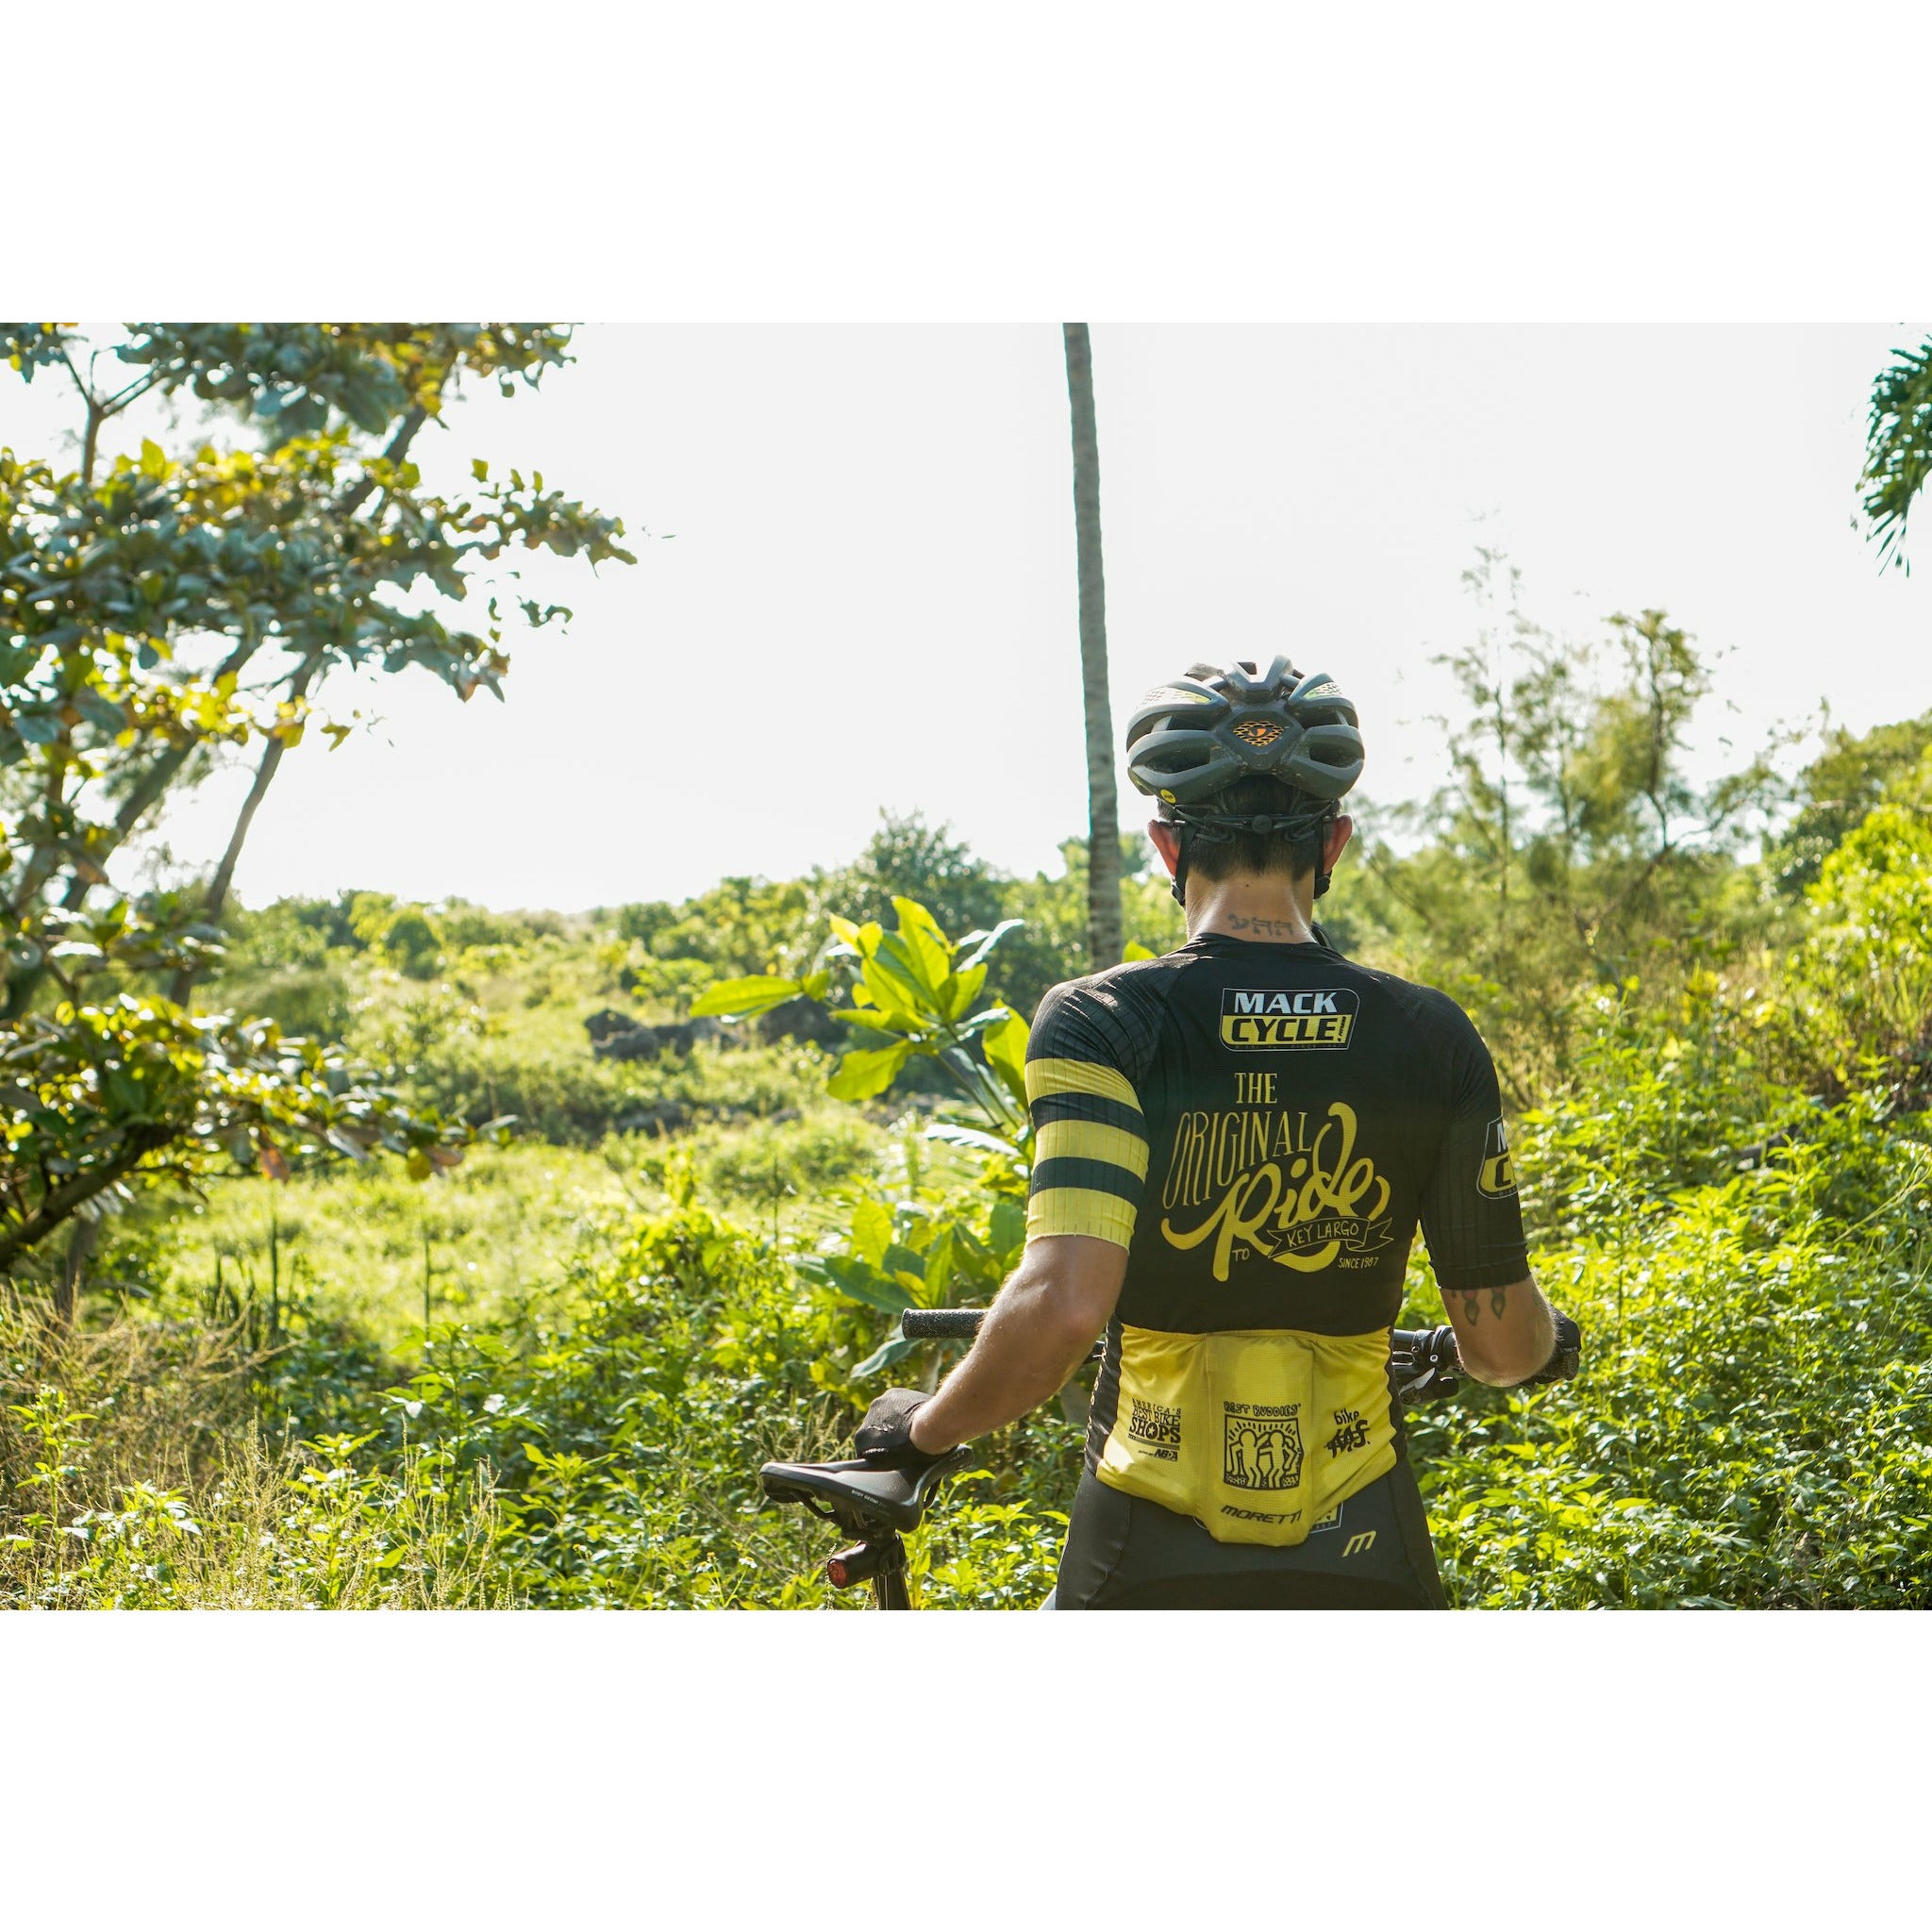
(1472,1305)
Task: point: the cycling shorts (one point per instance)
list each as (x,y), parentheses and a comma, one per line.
(1371,1553)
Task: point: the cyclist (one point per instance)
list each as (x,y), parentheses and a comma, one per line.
(1234,1146)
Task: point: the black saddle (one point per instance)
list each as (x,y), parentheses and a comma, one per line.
(861,1499)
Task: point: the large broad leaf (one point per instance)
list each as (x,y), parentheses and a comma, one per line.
(896,1349)
(900,1260)
(872,1230)
(972,1259)
(738,999)
(1006,1054)
(960,990)
(897,964)
(855,940)
(870,1018)
(988,940)
(898,996)
(939,1268)
(919,930)
(1137,951)
(857,1280)
(861,1075)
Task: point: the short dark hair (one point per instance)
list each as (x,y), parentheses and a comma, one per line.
(1221,855)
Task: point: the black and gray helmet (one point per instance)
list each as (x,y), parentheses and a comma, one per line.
(1192,738)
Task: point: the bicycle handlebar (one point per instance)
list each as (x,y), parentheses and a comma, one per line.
(940,1324)
(1423,1362)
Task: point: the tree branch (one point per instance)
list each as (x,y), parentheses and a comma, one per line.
(59,1203)
(224,873)
(398,447)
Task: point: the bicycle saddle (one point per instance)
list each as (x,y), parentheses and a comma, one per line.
(860,1499)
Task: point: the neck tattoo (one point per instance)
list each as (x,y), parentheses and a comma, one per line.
(1266,928)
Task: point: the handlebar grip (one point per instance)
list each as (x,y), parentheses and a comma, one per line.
(940,1324)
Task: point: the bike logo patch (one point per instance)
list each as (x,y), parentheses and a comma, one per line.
(1496,1180)
(1156,1428)
(1266,1018)
(1262,1445)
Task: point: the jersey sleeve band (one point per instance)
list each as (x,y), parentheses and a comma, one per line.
(1089,1158)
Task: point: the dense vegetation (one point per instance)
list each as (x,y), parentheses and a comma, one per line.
(545,1374)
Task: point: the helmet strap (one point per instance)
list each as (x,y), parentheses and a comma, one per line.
(1178,885)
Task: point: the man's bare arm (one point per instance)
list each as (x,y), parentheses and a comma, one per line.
(1504,1335)
(1039,1330)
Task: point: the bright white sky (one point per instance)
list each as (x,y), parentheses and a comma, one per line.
(856,583)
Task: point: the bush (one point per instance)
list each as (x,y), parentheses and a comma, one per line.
(1750,1426)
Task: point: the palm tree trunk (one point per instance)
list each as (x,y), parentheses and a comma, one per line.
(1103,801)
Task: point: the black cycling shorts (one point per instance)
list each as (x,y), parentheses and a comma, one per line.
(1123,1553)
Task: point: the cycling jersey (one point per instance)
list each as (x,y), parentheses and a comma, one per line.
(1262,1127)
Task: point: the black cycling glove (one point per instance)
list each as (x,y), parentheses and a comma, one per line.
(1564,1356)
(884,1437)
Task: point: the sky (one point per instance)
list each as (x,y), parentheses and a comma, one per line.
(854,585)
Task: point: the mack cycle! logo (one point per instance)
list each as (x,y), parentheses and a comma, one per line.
(1496,1179)
(1266,1020)
(1262,1446)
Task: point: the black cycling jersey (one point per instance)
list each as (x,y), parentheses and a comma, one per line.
(1262,1127)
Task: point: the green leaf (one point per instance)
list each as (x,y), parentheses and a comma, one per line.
(1137,951)
(960,990)
(919,931)
(856,1281)
(864,1074)
(896,975)
(900,1260)
(988,940)
(738,999)
(895,1348)
(1006,1054)
(938,1267)
(1008,1230)
(957,1135)
(872,1230)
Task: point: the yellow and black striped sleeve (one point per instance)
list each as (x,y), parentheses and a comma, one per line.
(1090,1148)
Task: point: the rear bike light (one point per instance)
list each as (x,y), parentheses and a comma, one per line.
(858,1564)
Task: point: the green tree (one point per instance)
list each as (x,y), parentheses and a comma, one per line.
(908,859)
(161,611)
(1570,849)
(1839,787)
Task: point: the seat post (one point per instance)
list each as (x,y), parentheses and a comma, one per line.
(888,1588)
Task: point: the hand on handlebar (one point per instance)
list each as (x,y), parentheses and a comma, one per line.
(884,1439)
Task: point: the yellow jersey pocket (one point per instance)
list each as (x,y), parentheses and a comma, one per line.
(1255,1434)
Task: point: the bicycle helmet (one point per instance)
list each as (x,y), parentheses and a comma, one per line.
(1196,736)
